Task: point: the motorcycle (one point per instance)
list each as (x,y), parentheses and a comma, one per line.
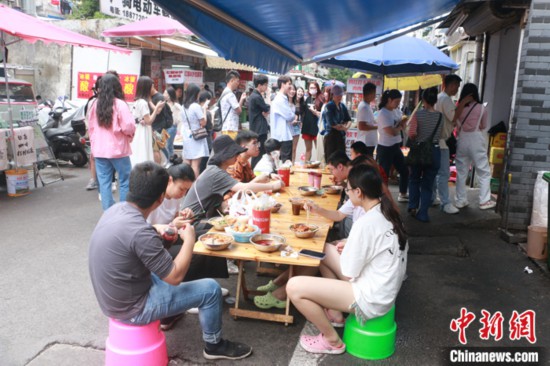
(65,129)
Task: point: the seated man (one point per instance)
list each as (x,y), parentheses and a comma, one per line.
(133,275)
(270,160)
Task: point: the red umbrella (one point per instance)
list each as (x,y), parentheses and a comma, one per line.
(156,26)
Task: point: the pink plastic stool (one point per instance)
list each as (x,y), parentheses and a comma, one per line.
(135,345)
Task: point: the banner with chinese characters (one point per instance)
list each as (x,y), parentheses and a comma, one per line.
(131,9)
(355,86)
(24,146)
(179,76)
(86,81)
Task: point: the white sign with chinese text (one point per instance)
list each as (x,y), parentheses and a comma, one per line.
(355,86)
(24,146)
(179,76)
(131,9)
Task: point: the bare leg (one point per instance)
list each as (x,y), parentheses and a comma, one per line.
(280,293)
(196,165)
(156,157)
(92,168)
(294,146)
(311,295)
(309,146)
(330,268)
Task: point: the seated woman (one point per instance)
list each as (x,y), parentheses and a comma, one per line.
(370,270)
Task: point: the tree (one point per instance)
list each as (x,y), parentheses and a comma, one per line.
(339,74)
(87,9)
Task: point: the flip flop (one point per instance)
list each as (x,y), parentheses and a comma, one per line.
(318,344)
(334,323)
(269,301)
(269,287)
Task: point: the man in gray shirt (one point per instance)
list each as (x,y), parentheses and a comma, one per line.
(132,274)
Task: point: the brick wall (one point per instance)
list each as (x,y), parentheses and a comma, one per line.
(529,145)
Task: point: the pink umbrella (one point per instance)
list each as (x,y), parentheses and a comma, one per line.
(32,29)
(156,26)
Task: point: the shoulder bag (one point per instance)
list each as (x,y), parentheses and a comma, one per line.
(198,134)
(420,153)
(219,120)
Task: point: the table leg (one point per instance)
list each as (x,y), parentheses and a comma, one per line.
(287,310)
(239,287)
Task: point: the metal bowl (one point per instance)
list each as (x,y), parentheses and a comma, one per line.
(219,223)
(304,234)
(208,241)
(333,189)
(276,207)
(267,242)
(312,164)
(307,190)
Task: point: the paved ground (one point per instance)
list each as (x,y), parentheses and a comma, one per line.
(50,315)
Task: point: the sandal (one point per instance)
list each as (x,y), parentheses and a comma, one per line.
(334,323)
(269,287)
(318,344)
(269,301)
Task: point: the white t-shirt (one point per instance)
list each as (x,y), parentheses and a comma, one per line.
(195,114)
(232,121)
(349,209)
(140,109)
(373,261)
(165,213)
(364,114)
(387,118)
(446,106)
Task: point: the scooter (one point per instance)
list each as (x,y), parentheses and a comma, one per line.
(66,140)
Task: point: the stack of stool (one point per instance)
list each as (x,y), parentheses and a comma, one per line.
(373,341)
(135,345)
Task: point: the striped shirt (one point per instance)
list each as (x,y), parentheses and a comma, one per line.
(425,123)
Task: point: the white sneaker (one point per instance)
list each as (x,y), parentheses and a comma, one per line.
(436,202)
(459,204)
(487,205)
(99,196)
(450,209)
(193,311)
(113,187)
(232,267)
(403,198)
(225,292)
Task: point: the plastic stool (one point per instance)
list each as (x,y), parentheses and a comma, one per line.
(135,345)
(373,341)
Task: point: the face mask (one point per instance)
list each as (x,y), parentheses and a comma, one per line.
(313,92)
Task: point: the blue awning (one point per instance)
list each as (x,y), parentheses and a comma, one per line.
(278,34)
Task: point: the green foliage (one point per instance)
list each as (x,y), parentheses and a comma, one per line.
(339,74)
(87,9)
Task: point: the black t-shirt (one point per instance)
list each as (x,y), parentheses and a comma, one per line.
(310,121)
(257,105)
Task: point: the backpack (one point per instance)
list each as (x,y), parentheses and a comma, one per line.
(218,119)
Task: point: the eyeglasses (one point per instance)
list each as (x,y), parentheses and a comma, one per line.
(257,143)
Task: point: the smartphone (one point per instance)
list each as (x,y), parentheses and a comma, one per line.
(312,254)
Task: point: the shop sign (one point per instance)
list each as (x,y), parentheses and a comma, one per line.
(131,9)
(180,76)
(87,80)
(355,86)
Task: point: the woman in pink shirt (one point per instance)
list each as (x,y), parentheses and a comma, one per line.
(111,129)
(471,149)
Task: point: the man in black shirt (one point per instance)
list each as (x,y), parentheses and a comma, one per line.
(258,110)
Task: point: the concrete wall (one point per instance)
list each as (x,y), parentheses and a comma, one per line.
(530,140)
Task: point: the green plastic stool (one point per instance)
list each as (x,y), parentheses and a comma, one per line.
(373,341)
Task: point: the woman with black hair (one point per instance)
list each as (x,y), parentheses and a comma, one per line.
(310,126)
(193,118)
(426,123)
(111,130)
(390,126)
(172,101)
(364,275)
(142,145)
(471,148)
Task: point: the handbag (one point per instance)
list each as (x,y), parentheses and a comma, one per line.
(420,153)
(199,133)
(161,138)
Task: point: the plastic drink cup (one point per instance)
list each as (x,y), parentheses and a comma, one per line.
(315,179)
(285,176)
(262,219)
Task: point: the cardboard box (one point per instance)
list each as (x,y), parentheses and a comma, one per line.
(496,170)
(497,155)
(498,140)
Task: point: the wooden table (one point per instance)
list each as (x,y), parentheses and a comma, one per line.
(280,224)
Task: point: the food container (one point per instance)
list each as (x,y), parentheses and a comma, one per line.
(332,189)
(307,190)
(267,242)
(240,236)
(300,232)
(220,223)
(276,207)
(213,241)
(312,164)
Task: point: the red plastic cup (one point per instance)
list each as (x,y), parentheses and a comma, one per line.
(285,176)
(262,219)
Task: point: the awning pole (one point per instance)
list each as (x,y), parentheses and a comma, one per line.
(10,113)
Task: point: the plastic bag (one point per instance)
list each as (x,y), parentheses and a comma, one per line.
(539,215)
(241,203)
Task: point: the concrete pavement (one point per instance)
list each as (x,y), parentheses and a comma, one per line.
(51,317)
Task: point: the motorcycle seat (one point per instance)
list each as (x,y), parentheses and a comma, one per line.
(58,131)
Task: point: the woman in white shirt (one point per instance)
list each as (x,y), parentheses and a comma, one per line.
(175,107)
(193,118)
(366,277)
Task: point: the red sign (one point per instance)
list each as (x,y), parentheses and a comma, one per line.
(87,80)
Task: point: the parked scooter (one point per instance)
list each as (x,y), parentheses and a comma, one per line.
(66,139)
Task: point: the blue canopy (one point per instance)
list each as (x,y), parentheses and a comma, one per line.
(276,35)
(400,56)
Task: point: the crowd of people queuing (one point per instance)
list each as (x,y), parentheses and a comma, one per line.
(134,268)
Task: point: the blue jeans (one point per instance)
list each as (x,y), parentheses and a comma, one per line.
(421,183)
(104,170)
(165,300)
(170,145)
(441,183)
(392,155)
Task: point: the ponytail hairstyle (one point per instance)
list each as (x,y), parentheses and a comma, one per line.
(387,95)
(181,171)
(369,181)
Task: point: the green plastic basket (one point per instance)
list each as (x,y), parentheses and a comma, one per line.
(373,341)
